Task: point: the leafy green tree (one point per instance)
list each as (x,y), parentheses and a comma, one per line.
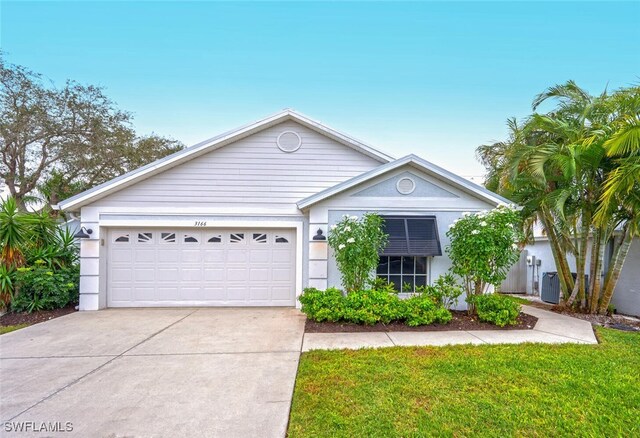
(483,248)
(356,243)
(564,167)
(64,139)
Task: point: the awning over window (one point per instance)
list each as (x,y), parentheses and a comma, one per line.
(412,235)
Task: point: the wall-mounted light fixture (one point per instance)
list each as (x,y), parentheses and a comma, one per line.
(84,233)
(319,235)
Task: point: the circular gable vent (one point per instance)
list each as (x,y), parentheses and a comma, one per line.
(289,141)
(406,186)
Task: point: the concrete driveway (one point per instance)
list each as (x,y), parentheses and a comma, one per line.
(153,372)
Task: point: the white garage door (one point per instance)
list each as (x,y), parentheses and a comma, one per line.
(183,267)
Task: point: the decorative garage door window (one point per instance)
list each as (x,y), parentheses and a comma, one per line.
(190,238)
(259,238)
(280,239)
(121,238)
(217,238)
(167,237)
(145,237)
(412,241)
(236,238)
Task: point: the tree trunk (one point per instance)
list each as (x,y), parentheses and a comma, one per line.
(597,257)
(615,268)
(581,261)
(559,256)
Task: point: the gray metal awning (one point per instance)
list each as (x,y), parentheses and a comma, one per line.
(412,235)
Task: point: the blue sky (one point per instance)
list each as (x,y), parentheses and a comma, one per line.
(435,79)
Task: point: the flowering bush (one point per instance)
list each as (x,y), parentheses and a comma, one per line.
(356,243)
(483,247)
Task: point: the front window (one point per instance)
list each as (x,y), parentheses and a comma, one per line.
(405,272)
(412,241)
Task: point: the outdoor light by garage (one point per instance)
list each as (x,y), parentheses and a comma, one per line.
(84,233)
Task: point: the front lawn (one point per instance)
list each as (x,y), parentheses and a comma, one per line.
(490,390)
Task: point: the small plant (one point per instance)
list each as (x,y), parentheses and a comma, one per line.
(321,305)
(444,293)
(40,288)
(496,309)
(383,285)
(421,310)
(356,243)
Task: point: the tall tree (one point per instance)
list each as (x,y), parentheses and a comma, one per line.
(76,131)
(573,170)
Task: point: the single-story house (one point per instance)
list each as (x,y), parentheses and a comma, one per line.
(241,219)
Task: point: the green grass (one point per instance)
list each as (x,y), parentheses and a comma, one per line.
(10,328)
(534,390)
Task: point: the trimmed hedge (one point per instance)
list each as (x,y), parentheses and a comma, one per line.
(371,307)
(496,309)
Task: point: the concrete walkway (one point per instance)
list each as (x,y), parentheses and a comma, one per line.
(153,372)
(551,328)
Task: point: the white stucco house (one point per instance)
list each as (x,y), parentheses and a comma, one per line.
(241,219)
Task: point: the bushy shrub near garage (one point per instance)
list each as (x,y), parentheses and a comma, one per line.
(39,287)
(371,307)
(496,309)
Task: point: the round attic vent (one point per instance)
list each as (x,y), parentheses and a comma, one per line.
(406,186)
(289,141)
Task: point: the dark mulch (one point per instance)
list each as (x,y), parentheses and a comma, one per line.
(460,321)
(35,317)
(619,322)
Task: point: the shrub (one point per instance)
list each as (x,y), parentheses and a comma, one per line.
(372,306)
(484,247)
(421,310)
(444,293)
(321,305)
(40,288)
(356,244)
(496,309)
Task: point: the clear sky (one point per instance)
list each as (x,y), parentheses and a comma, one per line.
(435,79)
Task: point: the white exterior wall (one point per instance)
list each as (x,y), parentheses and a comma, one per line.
(626,297)
(247,183)
(252,174)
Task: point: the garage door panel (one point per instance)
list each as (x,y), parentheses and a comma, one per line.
(259,274)
(260,293)
(145,274)
(213,255)
(191,255)
(168,255)
(144,255)
(213,275)
(237,293)
(173,267)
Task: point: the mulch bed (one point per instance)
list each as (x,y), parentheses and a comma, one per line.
(35,317)
(460,321)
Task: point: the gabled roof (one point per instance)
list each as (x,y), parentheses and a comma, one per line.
(211,144)
(417,162)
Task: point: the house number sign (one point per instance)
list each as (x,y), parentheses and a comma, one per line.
(201,223)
